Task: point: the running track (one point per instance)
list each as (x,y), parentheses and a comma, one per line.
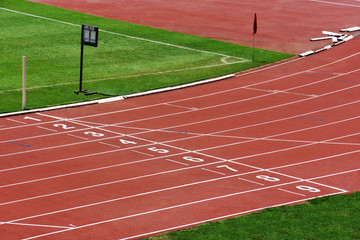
(277,135)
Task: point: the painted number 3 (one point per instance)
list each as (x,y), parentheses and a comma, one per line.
(94,134)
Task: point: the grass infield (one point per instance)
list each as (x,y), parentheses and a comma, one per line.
(334,217)
(129,58)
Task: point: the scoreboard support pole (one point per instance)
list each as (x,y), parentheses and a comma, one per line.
(24,84)
(89,36)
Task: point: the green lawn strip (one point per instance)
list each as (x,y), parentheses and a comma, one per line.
(331,217)
(122,64)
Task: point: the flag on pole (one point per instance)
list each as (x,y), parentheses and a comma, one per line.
(254,31)
(255,25)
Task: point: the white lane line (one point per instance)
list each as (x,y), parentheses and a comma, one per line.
(297,180)
(17,121)
(291,192)
(334,174)
(218,218)
(315,160)
(281,150)
(181,163)
(126,180)
(135,195)
(220,92)
(307,180)
(335,3)
(237,114)
(146,154)
(163,209)
(111,145)
(272,137)
(213,171)
(54,147)
(328,186)
(229,90)
(243,179)
(47,129)
(80,172)
(35,225)
(82,138)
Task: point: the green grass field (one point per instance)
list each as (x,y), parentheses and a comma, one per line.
(130,58)
(336,217)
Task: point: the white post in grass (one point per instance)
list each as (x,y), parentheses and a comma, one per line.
(24,84)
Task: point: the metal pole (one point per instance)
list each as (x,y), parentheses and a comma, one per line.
(24,84)
(81,65)
(81,61)
(253,56)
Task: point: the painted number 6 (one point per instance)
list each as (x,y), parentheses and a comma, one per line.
(193,159)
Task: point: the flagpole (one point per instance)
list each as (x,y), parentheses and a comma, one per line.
(254,32)
(253,56)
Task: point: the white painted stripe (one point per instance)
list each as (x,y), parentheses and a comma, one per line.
(123,35)
(251,181)
(291,192)
(209,170)
(34,225)
(162,209)
(219,218)
(335,3)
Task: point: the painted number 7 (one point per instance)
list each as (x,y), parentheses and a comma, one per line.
(227,167)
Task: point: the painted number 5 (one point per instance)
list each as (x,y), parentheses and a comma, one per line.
(158,150)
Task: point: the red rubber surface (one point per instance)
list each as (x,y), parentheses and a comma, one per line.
(279,21)
(277,135)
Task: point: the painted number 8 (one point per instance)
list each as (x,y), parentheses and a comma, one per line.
(268,178)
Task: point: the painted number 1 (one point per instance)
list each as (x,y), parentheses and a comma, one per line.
(33,119)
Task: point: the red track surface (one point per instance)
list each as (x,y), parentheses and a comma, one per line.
(283,25)
(277,135)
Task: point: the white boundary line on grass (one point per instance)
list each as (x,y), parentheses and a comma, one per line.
(335,3)
(124,35)
(118,98)
(122,77)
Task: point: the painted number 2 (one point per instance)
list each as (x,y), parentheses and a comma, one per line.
(63,126)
